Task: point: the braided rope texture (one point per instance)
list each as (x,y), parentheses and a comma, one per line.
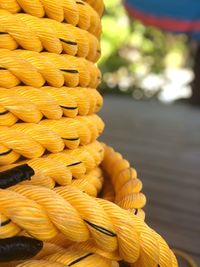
(129,238)
(52,168)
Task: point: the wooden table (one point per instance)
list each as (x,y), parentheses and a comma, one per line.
(163,143)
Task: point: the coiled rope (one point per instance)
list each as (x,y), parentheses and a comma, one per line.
(31,140)
(110,227)
(35,69)
(60,168)
(98,223)
(73,12)
(30,104)
(52,168)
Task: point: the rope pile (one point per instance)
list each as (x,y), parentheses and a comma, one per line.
(65,198)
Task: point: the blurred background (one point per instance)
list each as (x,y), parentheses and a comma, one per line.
(143,62)
(150,118)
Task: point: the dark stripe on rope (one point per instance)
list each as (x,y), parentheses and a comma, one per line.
(136,212)
(74,164)
(5,223)
(99,51)
(19,248)
(71,139)
(70,71)
(6,153)
(101,229)
(71,108)
(1,68)
(15,175)
(68,42)
(4,112)
(3,33)
(80,259)
(80,3)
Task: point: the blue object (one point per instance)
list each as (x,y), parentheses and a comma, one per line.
(181,16)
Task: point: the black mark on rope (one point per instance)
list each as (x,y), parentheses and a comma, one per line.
(70,71)
(3,33)
(136,212)
(6,153)
(2,68)
(74,164)
(99,51)
(68,42)
(101,229)
(5,223)
(15,175)
(80,3)
(71,108)
(80,259)
(4,112)
(19,248)
(71,139)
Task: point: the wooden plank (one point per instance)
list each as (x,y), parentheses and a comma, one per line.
(163,143)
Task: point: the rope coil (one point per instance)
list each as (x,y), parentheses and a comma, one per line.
(32,104)
(76,13)
(98,226)
(103,224)
(60,168)
(52,166)
(37,34)
(35,69)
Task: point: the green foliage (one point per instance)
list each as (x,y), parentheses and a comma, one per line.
(135,50)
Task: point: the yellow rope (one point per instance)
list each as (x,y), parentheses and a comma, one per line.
(94,221)
(104,221)
(31,140)
(32,104)
(73,12)
(125,182)
(48,126)
(35,69)
(37,34)
(61,167)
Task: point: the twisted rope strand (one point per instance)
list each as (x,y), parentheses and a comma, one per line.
(90,183)
(31,140)
(76,13)
(41,263)
(24,247)
(31,104)
(68,258)
(127,187)
(109,224)
(82,259)
(37,34)
(98,5)
(36,69)
(125,182)
(60,168)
